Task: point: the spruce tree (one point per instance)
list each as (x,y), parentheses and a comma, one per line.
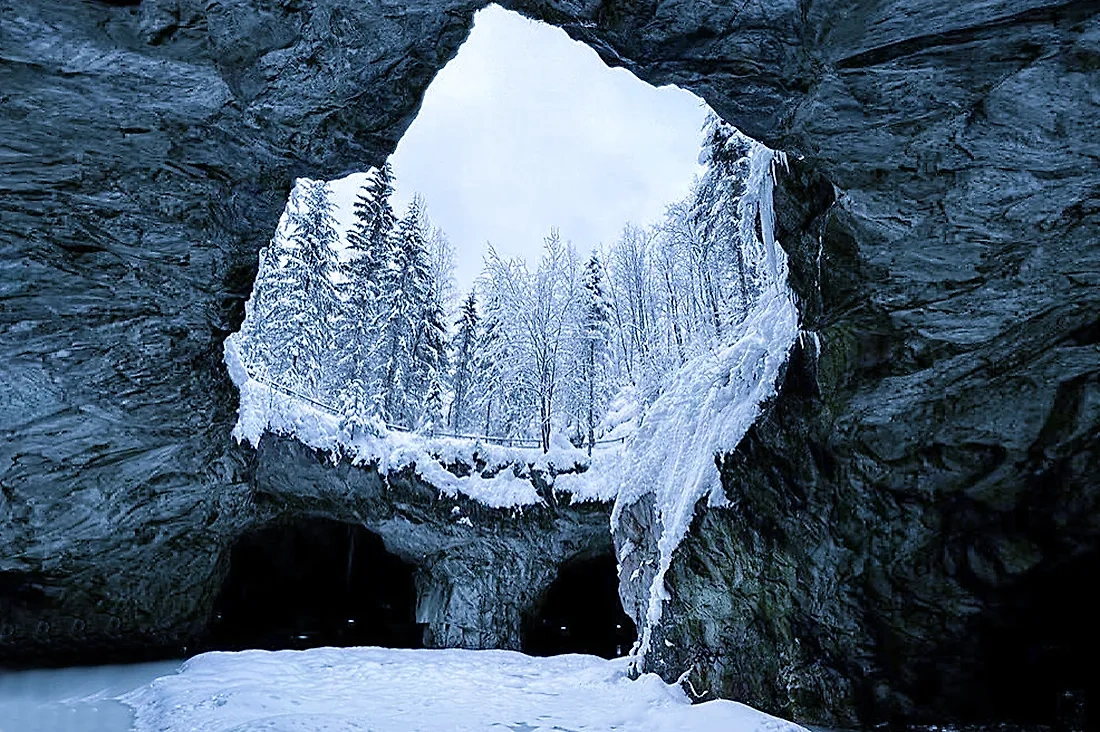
(727,275)
(486,393)
(368,244)
(466,342)
(302,299)
(371,230)
(266,322)
(595,326)
(403,296)
(431,417)
(429,361)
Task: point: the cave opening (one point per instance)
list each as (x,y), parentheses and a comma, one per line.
(518,189)
(315,582)
(1042,651)
(580,612)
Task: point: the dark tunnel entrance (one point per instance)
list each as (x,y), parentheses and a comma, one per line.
(1041,654)
(580,613)
(315,582)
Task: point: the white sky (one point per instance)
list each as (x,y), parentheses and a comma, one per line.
(527,129)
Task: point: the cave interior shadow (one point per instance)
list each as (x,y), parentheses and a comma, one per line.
(580,612)
(315,582)
(1041,650)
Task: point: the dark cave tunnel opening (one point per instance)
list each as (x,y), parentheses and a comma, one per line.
(315,582)
(1041,652)
(580,612)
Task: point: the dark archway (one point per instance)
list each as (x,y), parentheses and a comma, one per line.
(580,613)
(315,582)
(1042,650)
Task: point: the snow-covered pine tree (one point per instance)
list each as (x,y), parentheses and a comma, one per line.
(404,294)
(727,267)
(263,324)
(466,344)
(429,363)
(430,353)
(374,216)
(594,337)
(303,297)
(486,392)
(431,416)
(359,338)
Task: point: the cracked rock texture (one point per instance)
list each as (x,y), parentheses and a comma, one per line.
(934,463)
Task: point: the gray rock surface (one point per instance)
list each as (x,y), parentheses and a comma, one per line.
(937,458)
(896,510)
(148,150)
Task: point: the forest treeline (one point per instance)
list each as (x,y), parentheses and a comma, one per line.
(368,321)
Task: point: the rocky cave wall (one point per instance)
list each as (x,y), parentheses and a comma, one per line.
(941,454)
(149,149)
(940,449)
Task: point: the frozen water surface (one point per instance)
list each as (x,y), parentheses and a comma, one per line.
(83,699)
(360,689)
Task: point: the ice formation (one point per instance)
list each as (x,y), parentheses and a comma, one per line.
(712,400)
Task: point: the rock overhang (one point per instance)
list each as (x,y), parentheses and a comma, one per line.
(153,147)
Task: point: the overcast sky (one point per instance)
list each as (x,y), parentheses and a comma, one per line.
(526,129)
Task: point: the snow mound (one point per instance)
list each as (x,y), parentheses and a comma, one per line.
(390,690)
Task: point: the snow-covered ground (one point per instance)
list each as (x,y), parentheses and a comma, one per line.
(266,408)
(358,689)
(389,690)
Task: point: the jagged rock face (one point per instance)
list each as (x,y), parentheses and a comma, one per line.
(148,152)
(934,461)
(896,510)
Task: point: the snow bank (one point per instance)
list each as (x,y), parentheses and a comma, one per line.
(264,408)
(389,690)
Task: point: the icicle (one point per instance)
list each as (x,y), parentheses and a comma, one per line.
(351,558)
(781,159)
(814,338)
